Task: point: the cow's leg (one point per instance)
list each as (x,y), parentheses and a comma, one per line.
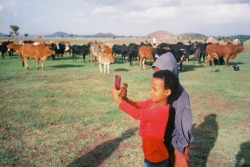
(108,68)
(130,59)
(226,63)
(180,66)
(212,59)
(37,64)
(73,56)
(83,56)
(104,67)
(199,58)
(143,63)
(42,63)
(19,54)
(90,58)
(100,67)
(25,62)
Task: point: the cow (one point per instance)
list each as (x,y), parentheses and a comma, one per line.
(67,47)
(38,52)
(107,49)
(181,52)
(27,41)
(197,55)
(4,48)
(105,59)
(133,51)
(120,49)
(94,49)
(145,52)
(228,51)
(203,52)
(80,50)
(15,48)
(59,49)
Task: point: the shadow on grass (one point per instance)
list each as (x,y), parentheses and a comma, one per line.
(187,68)
(121,69)
(243,158)
(66,66)
(205,137)
(101,152)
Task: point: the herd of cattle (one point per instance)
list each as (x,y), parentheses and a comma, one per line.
(105,54)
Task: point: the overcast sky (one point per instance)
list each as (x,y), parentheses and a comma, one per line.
(126,17)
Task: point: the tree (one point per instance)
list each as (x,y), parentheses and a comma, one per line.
(14,31)
(26,35)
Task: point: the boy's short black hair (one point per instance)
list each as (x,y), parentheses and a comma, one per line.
(171,81)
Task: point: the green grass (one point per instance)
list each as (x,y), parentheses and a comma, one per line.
(65,115)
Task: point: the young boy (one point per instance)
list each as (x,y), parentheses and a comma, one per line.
(153,114)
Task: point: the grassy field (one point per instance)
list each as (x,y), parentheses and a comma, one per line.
(65,115)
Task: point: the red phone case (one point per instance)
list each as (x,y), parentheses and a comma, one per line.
(117,82)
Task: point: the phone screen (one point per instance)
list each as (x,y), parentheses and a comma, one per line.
(117,82)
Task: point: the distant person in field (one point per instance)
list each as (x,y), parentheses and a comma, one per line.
(209,39)
(242,41)
(154,41)
(178,135)
(153,114)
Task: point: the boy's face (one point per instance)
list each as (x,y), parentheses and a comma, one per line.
(158,92)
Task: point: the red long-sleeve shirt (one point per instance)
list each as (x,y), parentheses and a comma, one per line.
(153,123)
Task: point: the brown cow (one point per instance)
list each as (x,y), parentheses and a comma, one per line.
(38,52)
(105,59)
(16,48)
(94,49)
(107,49)
(228,51)
(145,52)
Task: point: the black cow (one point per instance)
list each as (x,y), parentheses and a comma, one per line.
(80,50)
(59,48)
(157,52)
(203,52)
(180,51)
(120,49)
(4,48)
(28,41)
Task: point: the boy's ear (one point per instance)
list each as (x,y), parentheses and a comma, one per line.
(168,92)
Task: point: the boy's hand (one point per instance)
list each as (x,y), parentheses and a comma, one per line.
(115,94)
(123,93)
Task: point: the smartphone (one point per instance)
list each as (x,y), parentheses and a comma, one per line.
(117,82)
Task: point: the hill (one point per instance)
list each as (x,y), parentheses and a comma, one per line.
(58,34)
(2,35)
(167,34)
(160,34)
(64,34)
(192,35)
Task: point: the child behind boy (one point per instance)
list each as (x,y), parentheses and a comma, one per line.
(153,114)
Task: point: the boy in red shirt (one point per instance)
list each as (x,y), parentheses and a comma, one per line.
(153,114)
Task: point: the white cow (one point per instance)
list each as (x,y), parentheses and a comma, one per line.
(105,59)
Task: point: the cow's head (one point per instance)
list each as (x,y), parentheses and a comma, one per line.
(101,47)
(48,51)
(111,58)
